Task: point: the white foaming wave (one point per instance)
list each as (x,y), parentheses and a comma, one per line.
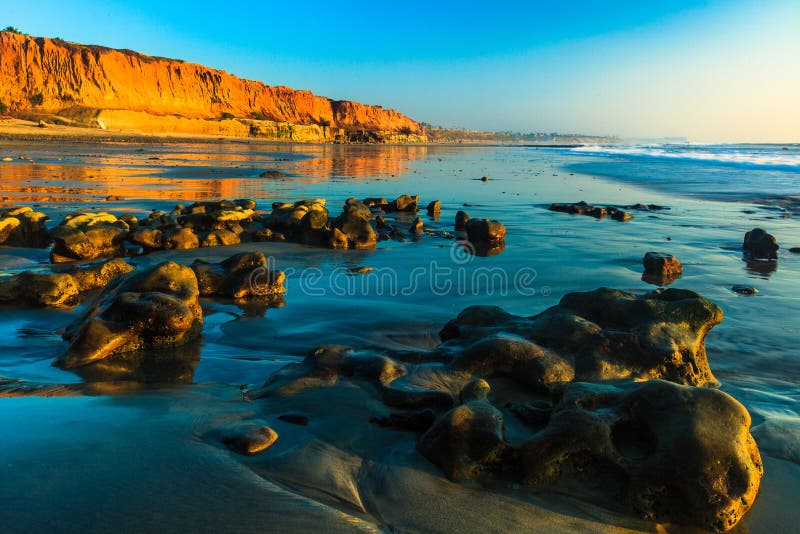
(761,157)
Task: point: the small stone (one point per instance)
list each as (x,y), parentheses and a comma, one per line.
(795,250)
(661,264)
(416,226)
(434,207)
(744,290)
(484,178)
(248,438)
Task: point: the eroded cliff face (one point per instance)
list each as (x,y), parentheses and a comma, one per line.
(45,75)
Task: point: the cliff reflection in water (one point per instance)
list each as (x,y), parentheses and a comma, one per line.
(193,172)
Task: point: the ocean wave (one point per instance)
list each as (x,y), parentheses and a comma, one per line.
(762,156)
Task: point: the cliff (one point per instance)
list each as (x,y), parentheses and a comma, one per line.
(104,87)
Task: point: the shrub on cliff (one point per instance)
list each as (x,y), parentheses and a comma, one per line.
(11,29)
(227,115)
(3,108)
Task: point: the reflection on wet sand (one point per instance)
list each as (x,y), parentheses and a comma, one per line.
(169,366)
(70,176)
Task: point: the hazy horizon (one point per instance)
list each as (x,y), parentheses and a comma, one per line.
(715,71)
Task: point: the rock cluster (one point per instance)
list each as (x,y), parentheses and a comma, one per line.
(601,395)
(85,236)
(63,288)
(598,212)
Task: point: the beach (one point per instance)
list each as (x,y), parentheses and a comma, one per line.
(148,455)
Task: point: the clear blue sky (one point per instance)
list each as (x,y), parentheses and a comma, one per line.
(708,70)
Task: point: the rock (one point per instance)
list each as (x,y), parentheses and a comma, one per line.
(304,221)
(242,276)
(148,310)
(354,225)
(516,358)
(760,245)
(131,220)
(271,174)
(23,227)
(181,239)
(485,232)
(744,290)
(461,221)
(661,269)
(148,238)
(416,226)
(666,452)
(88,236)
(795,250)
(484,178)
(583,208)
(672,453)
(404,203)
(609,334)
(220,238)
(248,438)
(434,208)
(466,441)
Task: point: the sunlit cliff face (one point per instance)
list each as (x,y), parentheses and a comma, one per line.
(51,75)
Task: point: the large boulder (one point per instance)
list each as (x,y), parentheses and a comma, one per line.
(670,453)
(147,310)
(609,334)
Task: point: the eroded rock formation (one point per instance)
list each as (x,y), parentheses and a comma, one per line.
(601,396)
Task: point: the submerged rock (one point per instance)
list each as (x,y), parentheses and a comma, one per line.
(157,308)
(760,245)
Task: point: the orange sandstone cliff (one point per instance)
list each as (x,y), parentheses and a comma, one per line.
(121,89)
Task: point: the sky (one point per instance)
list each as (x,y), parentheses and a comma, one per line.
(715,70)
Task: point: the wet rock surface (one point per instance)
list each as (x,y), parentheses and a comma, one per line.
(661,269)
(23,227)
(63,288)
(152,309)
(248,437)
(571,399)
(759,245)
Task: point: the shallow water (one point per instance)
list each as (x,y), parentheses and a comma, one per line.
(416,286)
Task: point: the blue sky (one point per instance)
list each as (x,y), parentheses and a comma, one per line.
(708,70)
